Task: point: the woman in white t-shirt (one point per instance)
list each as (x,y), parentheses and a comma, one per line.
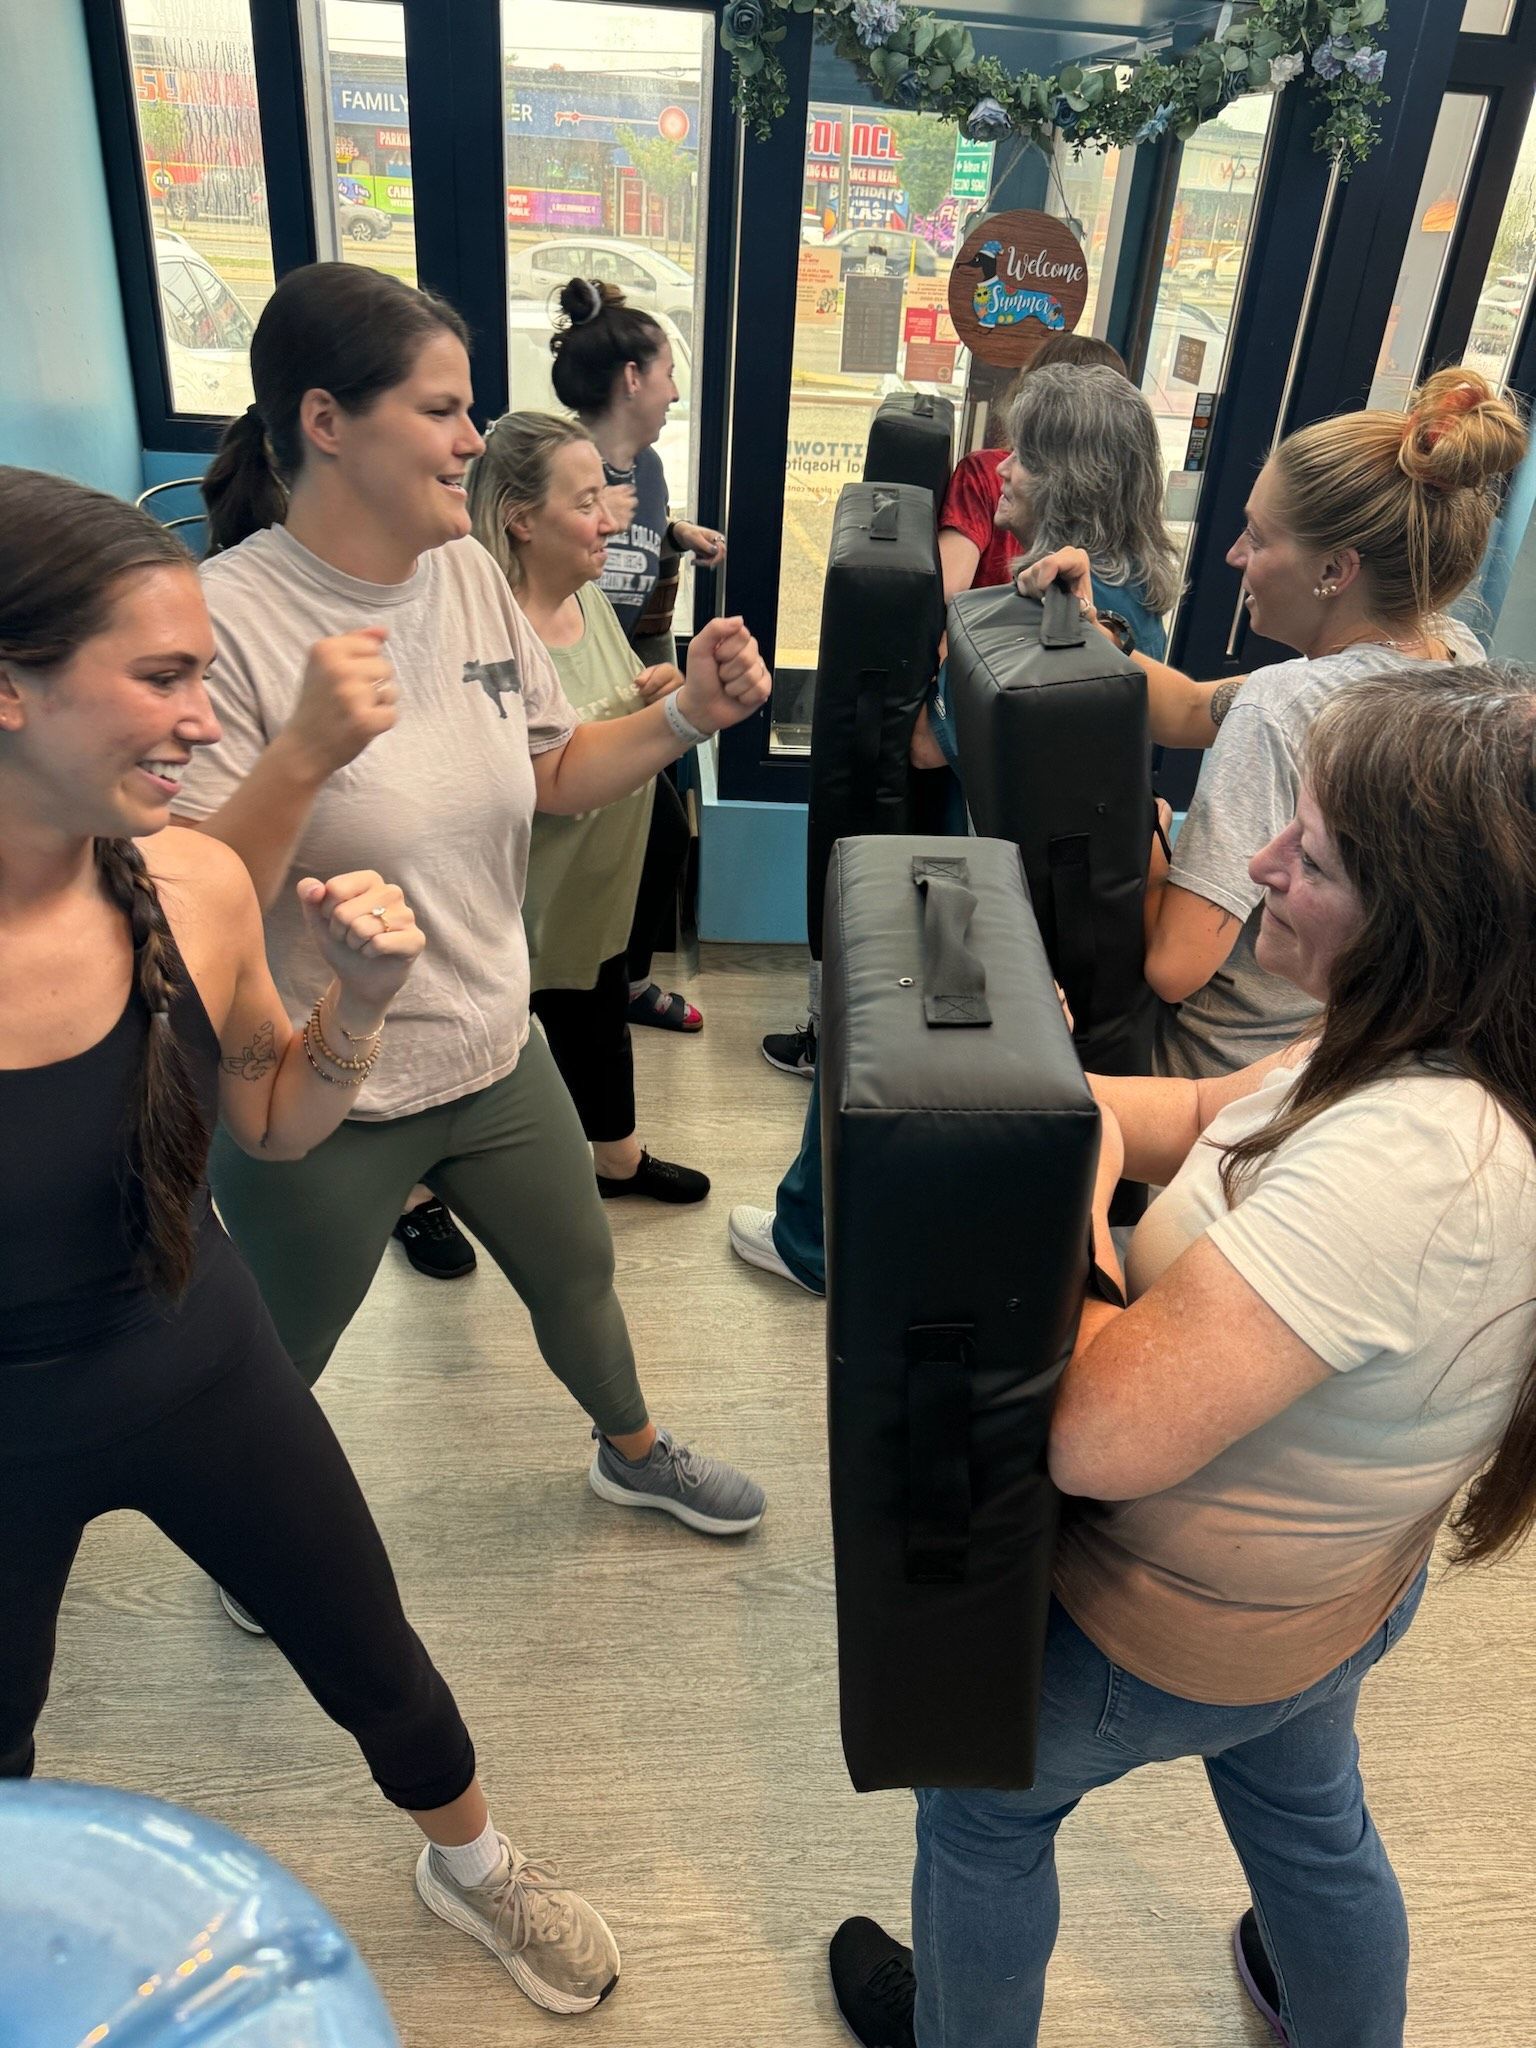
(1361,531)
(378,689)
(1331,1332)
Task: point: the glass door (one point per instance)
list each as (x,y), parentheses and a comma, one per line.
(1426,259)
(1186,368)
(886,201)
(607,133)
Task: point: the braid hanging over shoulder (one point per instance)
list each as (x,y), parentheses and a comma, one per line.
(167,1138)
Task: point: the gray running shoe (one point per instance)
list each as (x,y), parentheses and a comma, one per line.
(704,1492)
(557,1948)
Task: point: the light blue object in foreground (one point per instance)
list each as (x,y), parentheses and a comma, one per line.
(134,1924)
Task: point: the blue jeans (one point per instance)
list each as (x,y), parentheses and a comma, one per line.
(1286,1778)
(799,1235)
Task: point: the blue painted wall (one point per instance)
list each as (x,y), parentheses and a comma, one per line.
(66,397)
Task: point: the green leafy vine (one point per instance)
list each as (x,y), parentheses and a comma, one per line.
(916,61)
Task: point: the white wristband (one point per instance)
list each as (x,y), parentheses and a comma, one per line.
(683,726)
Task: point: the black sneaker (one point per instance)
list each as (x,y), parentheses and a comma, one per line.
(792,1052)
(1257,1974)
(434,1243)
(873,1984)
(659,1179)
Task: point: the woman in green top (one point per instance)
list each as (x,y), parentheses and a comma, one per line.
(536,499)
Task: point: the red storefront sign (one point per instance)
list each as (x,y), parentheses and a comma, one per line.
(872,141)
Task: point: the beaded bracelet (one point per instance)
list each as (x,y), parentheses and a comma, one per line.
(335,1080)
(363,1065)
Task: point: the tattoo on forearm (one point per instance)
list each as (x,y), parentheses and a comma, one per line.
(256,1060)
(1221,699)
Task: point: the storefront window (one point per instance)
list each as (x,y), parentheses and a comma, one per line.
(885,203)
(368,134)
(1186,367)
(1416,299)
(1083,195)
(200,141)
(607,111)
(1505,299)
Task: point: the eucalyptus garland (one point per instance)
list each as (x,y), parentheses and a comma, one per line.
(918,62)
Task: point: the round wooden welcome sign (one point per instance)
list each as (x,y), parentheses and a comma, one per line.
(1018,277)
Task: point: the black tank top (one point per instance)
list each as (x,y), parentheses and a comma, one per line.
(72,1224)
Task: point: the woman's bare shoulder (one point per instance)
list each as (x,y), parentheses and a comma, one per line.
(203,886)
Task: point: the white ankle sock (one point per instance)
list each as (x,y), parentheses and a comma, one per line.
(473,1862)
(638,988)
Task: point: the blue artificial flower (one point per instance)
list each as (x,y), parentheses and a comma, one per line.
(1326,61)
(987,118)
(745,19)
(1064,114)
(909,89)
(1156,124)
(874,20)
(1369,65)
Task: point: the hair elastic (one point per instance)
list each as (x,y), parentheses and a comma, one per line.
(594,303)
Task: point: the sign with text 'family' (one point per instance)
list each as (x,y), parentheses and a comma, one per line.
(1017,278)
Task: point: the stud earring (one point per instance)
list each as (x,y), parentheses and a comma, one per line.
(1324,589)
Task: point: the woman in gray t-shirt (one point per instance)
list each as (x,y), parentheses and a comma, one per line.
(378,688)
(1360,532)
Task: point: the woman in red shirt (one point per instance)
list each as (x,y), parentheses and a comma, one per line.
(974,552)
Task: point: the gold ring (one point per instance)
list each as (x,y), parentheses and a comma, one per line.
(380,913)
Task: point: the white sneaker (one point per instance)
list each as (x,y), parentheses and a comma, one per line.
(557,1948)
(752,1239)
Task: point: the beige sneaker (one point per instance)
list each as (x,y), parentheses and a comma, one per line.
(558,1948)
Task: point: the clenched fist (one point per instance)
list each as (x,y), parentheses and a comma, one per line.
(348,698)
(727,677)
(366,932)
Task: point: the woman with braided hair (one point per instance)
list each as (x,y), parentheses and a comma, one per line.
(138,1367)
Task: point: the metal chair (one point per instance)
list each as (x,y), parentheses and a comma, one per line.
(183,519)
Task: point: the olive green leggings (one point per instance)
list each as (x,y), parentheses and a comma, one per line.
(510,1161)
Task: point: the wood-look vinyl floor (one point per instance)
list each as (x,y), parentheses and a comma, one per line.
(658,1711)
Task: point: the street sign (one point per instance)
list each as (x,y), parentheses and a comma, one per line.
(161,180)
(972,177)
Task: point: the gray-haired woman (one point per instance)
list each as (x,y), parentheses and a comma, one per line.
(1085,471)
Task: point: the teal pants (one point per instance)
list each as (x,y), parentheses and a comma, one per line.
(509,1160)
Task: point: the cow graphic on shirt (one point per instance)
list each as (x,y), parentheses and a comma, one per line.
(497,678)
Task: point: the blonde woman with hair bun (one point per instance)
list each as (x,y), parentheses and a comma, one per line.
(1360,532)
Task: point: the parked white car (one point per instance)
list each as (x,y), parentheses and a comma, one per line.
(650,281)
(207,332)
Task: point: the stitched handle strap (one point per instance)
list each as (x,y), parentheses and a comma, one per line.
(954,979)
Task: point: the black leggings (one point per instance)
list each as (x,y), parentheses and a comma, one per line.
(665,851)
(588,1033)
(248,1479)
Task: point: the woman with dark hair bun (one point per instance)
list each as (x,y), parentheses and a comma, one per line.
(138,1366)
(379,687)
(614,369)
